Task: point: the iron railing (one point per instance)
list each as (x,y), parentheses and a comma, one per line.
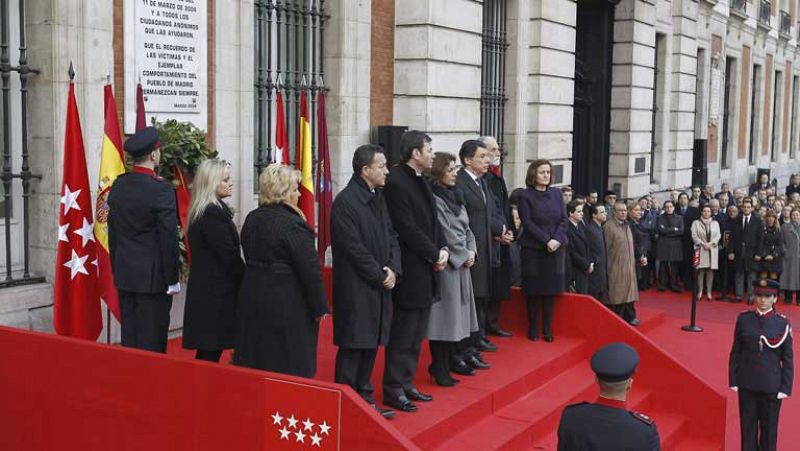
(8,175)
(289,55)
(493,70)
(764,12)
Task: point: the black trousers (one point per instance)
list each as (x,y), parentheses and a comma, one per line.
(547,303)
(208,355)
(354,368)
(758,416)
(441,355)
(481,307)
(626,311)
(668,276)
(493,316)
(145,320)
(409,328)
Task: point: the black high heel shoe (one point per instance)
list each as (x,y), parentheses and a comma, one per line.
(442,381)
(461,368)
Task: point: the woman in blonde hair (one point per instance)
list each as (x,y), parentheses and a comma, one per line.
(281,299)
(216,268)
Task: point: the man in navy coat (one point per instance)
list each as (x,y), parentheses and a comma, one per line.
(761,368)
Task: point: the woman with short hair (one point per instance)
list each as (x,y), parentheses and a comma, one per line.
(282,299)
(216,267)
(706,235)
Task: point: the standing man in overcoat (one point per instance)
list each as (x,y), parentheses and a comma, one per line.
(366,266)
(501,245)
(412,209)
(746,233)
(480,206)
(623,291)
(143,245)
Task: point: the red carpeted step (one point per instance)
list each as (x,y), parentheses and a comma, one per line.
(695,444)
(525,366)
(671,428)
(650,318)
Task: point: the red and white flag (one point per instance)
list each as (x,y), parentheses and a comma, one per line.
(76,297)
(281,140)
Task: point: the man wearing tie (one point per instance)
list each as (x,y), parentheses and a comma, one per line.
(480,207)
(746,233)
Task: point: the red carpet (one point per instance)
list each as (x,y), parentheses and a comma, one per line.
(516,404)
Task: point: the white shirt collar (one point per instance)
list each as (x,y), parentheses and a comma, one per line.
(759,313)
(472,175)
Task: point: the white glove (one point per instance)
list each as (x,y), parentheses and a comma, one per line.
(174,289)
(736,389)
(782,395)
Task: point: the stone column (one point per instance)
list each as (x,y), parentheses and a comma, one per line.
(539,81)
(632,97)
(347,73)
(684,74)
(438,69)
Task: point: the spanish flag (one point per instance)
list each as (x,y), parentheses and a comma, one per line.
(112,164)
(304,163)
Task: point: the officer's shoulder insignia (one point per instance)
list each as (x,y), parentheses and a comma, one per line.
(642,417)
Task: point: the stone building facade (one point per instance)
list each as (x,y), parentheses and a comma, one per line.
(635,95)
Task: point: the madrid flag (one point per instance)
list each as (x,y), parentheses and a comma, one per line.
(77,304)
(303,163)
(111,166)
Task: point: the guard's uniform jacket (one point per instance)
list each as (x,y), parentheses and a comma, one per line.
(606,425)
(761,356)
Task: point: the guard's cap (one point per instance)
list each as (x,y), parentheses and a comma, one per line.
(767,287)
(143,142)
(615,362)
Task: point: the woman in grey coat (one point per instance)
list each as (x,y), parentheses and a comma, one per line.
(453,316)
(790,277)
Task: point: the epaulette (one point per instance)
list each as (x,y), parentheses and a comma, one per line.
(642,417)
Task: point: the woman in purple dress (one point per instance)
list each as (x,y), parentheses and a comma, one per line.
(544,224)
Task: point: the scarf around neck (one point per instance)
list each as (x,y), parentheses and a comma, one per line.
(451,195)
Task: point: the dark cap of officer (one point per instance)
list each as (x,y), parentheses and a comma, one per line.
(143,142)
(615,362)
(767,287)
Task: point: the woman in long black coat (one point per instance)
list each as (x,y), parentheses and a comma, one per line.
(769,256)
(596,216)
(669,246)
(209,318)
(579,262)
(282,299)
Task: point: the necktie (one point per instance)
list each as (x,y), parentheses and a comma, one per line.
(482,186)
(746,221)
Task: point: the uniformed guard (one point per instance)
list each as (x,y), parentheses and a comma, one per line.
(143,245)
(607,425)
(760,368)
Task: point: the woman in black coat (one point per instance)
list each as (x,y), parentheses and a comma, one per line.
(669,246)
(598,280)
(281,299)
(216,267)
(769,256)
(579,263)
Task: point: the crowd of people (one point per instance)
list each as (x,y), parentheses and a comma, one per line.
(422,250)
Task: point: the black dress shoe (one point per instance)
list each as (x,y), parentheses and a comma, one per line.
(473,362)
(442,380)
(660,289)
(386,413)
(402,404)
(675,290)
(634,322)
(533,336)
(486,345)
(461,368)
(500,333)
(416,395)
(549,338)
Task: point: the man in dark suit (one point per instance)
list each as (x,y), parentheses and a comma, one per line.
(366,265)
(761,368)
(480,208)
(143,243)
(689,214)
(746,231)
(413,212)
(607,425)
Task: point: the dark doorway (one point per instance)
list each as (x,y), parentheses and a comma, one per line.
(591,121)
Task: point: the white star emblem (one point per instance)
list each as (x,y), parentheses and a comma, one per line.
(70,200)
(292,422)
(323,428)
(300,437)
(315,440)
(308,425)
(277,418)
(62,232)
(86,232)
(76,265)
(284,433)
